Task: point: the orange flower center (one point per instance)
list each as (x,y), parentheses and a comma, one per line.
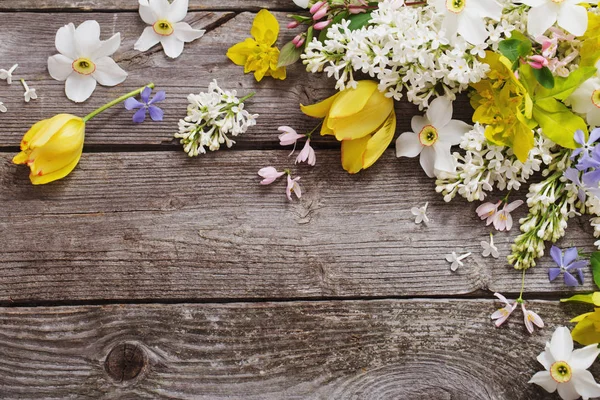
(596,98)
(561,372)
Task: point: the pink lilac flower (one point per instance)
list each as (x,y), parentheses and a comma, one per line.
(270,175)
(293,187)
(537,61)
(488,211)
(503,220)
(288,136)
(501,315)
(566,264)
(146,105)
(531,319)
(307,154)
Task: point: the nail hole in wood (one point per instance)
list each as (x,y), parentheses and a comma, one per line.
(125,362)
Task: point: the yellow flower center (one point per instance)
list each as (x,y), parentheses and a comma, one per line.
(428,136)
(457,6)
(557,1)
(84,66)
(561,372)
(163,27)
(596,98)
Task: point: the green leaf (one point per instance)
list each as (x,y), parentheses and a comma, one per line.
(595,262)
(289,54)
(357,21)
(544,77)
(309,34)
(558,122)
(510,49)
(564,87)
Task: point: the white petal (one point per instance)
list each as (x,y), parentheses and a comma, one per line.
(593,117)
(450,25)
(540,19)
(419,122)
(147,14)
(453,132)
(148,39)
(584,358)
(544,379)
(573,19)
(87,38)
(585,384)
(177,10)
(428,161)
(472,27)
(561,344)
(567,391)
(532,3)
(160,8)
(488,8)
(79,87)
(440,112)
(301,3)
(108,73)
(60,67)
(172,46)
(408,145)
(545,358)
(444,161)
(107,47)
(65,41)
(186,33)
(581,99)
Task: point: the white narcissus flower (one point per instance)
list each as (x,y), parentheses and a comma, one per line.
(301,3)
(467,18)
(543,14)
(586,100)
(84,59)
(432,137)
(566,369)
(166,27)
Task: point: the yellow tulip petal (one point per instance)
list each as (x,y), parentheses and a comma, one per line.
(585,333)
(352,154)
(380,141)
(581,317)
(239,53)
(52,126)
(351,101)
(56,175)
(265,28)
(325,129)
(32,132)
(20,158)
(372,116)
(60,150)
(321,109)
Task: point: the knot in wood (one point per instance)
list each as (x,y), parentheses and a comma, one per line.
(125,362)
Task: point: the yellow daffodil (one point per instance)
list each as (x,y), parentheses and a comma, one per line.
(258,54)
(587,330)
(52,148)
(363,119)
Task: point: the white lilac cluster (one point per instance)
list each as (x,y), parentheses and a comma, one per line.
(406,50)
(211,117)
(484,166)
(552,203)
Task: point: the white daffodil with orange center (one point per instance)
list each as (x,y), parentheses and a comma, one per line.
(166,27)
(84,59)
(432,137)
(569,14)
(467,18)
(586,100)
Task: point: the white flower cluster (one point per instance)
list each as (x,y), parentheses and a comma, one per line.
(211,117)
(405,49)
(484,166)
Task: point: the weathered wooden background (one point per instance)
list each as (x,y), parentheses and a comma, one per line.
(146,274)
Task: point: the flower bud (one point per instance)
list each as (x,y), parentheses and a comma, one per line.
(321,25)
(321,13)
(293,24)
(317,6)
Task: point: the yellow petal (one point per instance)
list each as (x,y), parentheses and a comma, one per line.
(50,128)
(265,28)
(60,150)
(321,109)
(581,317)
(239,53)
(279,73)
(352,154)
(585,332)
(21,158)
(351,101)
(56,175)
(325,129)
(32,132)
(366,121)
(380,141)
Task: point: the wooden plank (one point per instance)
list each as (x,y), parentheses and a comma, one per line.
(417,350)
(131,5)
(277,102)
(158,225)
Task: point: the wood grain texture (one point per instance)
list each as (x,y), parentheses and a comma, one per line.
(159,225)
(277,102)
(362,350)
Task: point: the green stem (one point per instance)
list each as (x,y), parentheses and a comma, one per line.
(520,299)
(309,134)
(116,101)
(240,101)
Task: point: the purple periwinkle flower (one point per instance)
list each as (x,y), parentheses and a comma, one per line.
(146,105)
(589,152)
(573,175)
(567,265)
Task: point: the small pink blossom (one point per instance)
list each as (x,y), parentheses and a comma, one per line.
(488,211)
(503,220)
(321,25)
(531,318)
(293,24)
(307,154)
(299,40)
(288,136)
(293,187)
(317,6)
(321,13)
(502,314)
(538,62)
(270,175)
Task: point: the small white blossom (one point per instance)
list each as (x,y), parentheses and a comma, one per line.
(420,214)
(3,108)
(8,75)
(456,260)
(30,93)
(489,249)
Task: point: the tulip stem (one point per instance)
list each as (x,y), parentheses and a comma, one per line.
(116,101)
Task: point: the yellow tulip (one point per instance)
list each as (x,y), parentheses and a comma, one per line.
(363,119)
(587,330)
(52,148)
